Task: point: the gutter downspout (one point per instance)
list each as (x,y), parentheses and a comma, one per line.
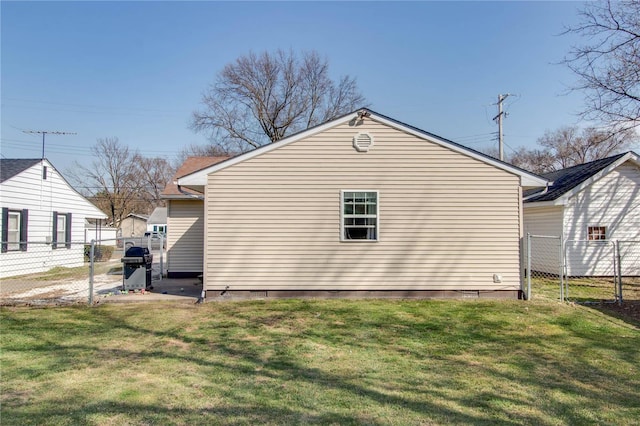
(537,194)
(197,197)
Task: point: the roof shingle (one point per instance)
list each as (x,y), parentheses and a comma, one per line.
(566,179)
(190,165)
(9,167)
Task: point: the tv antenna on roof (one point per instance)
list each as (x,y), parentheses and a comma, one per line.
(44,132)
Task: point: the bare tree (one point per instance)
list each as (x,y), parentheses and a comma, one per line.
(569,146)
(110,180)
(262,98)
(534,160)
(608,64)
(152,175)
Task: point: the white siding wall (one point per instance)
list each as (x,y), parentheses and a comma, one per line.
(185,237)
(28,190)
(106,235)
(447,221)
(614,202)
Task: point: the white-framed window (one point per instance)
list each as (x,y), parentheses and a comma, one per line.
(61,230)
(597,233)
(14,230)
(359,214)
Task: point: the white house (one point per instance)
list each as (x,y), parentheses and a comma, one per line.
(589,206)
(157,222)
(362,205)
(43,218)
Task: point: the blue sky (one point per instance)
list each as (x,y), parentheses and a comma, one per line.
(136,70)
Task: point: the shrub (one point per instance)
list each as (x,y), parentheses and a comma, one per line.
(100,253)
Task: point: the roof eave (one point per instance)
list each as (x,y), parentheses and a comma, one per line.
(629,156)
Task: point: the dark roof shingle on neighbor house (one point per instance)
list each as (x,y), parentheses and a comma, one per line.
(190,165)
(566,179)
(9,167)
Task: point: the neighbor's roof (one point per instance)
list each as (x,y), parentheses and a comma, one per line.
(158,216)
(567,179)
(138,216)
(190,165)
(9,167)
(198,178)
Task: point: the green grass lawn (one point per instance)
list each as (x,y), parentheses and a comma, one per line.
(584,289)
(319,362)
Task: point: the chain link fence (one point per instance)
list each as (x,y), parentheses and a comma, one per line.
(36,272)
(581,270)
(543,268)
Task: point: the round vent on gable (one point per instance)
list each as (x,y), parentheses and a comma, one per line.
(362,142)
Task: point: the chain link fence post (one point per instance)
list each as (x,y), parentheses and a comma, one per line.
(162,250)
(92,253)
(528,266)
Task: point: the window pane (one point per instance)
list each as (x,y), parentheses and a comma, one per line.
(62,221)
(360,219)
(597,233)
(356,233)
(13,231)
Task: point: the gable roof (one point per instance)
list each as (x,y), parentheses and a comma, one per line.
(9,167)
(190,165)
(575,178)
(158,216)
(137,216)
(198,178)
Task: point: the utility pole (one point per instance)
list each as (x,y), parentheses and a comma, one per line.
(44,132)
(498,117)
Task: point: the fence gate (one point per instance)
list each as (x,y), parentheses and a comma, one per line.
(544,268)
(591,271)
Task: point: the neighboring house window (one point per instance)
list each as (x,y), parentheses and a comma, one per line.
(359,215)
(14,230)
(597,233)
(61,230)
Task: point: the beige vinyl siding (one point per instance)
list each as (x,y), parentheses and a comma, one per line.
(185,237)
(446,221)
(614,202)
